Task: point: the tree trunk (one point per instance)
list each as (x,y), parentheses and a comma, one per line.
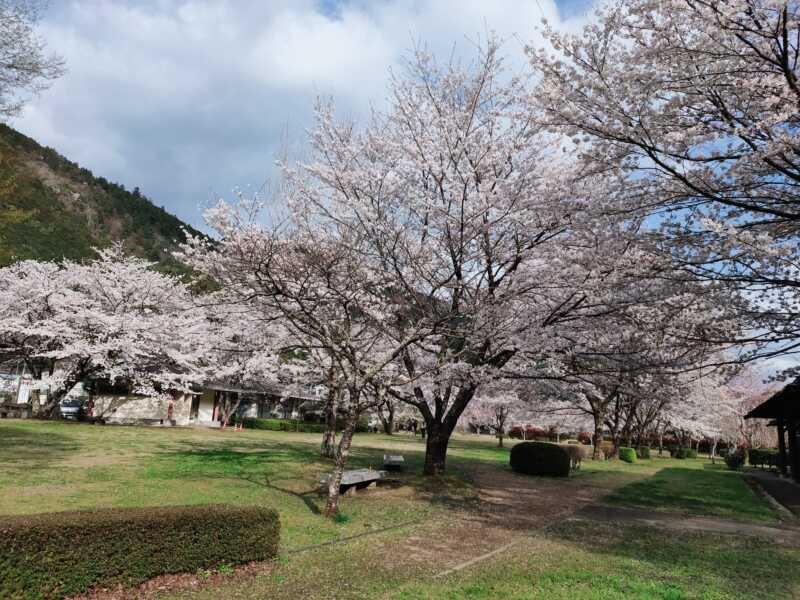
(499,440)
(228,407)
(597,438)
(387,421)
(328,449)
(436,449)
(335,481)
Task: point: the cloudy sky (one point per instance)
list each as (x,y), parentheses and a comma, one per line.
(189,99)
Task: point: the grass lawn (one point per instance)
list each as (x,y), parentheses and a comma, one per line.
(402,537)
(693,486)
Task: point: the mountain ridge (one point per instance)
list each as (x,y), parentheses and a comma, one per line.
(53,209)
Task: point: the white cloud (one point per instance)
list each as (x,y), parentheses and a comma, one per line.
(189,98)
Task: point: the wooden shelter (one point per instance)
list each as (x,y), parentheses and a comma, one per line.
(784,410)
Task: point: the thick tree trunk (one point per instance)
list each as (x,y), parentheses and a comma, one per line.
(597,438)
(500,440)
(436,449)
(439,427)
(335,481)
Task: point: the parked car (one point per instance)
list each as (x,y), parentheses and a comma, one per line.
(73,408)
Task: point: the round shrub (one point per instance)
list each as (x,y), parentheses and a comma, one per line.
(540,458)
(577,454)
(608,450)
(684,453)
(627,455)
(643,452)
(735,460)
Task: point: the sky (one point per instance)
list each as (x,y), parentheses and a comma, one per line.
(192,99)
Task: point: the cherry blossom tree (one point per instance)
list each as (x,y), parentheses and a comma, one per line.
(113,318)
(495,407)
(460,203)
(694,105)
(314,276)
(25,68)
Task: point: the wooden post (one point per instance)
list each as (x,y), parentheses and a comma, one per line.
(794,454)
(782,459)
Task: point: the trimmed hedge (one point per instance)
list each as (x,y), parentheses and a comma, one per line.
(293,425)
(282,425)
(643,452)
(735,460)
(55,555)
(577,453)
(682,453)
(608,450)
(627,455)
(763,457)
(540,458)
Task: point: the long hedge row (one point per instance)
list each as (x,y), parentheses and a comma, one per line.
(292,425)
(56,555)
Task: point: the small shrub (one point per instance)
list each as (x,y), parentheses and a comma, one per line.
(643,452)
(540,458)
(55,555)
(608,450)
(735,460)
(577,454)
(341,518)
(627,455)
(682,453)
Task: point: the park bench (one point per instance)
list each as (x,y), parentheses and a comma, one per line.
(355,479)
(393,462)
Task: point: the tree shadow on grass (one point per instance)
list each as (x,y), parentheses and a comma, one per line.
(696,564)
(712,492)
(29,447)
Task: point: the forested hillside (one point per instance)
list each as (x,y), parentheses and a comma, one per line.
(51,208)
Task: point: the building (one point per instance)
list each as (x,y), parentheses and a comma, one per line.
(206,407)
(783,410)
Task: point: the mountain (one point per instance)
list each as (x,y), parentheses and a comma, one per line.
(51,208)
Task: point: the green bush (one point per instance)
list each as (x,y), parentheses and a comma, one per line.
(682,453)
(735,460)
(577,453)
(55,555)
(294,425)
(282,425)
(763,457)
(627,455)
(643,452)
(608,450)
(540,458)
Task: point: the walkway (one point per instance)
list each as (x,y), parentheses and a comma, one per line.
(785,491)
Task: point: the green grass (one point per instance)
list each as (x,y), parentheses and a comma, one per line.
(400,538)
(594,561)
(694,486)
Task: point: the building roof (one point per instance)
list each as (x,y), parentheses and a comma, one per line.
(784,404)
